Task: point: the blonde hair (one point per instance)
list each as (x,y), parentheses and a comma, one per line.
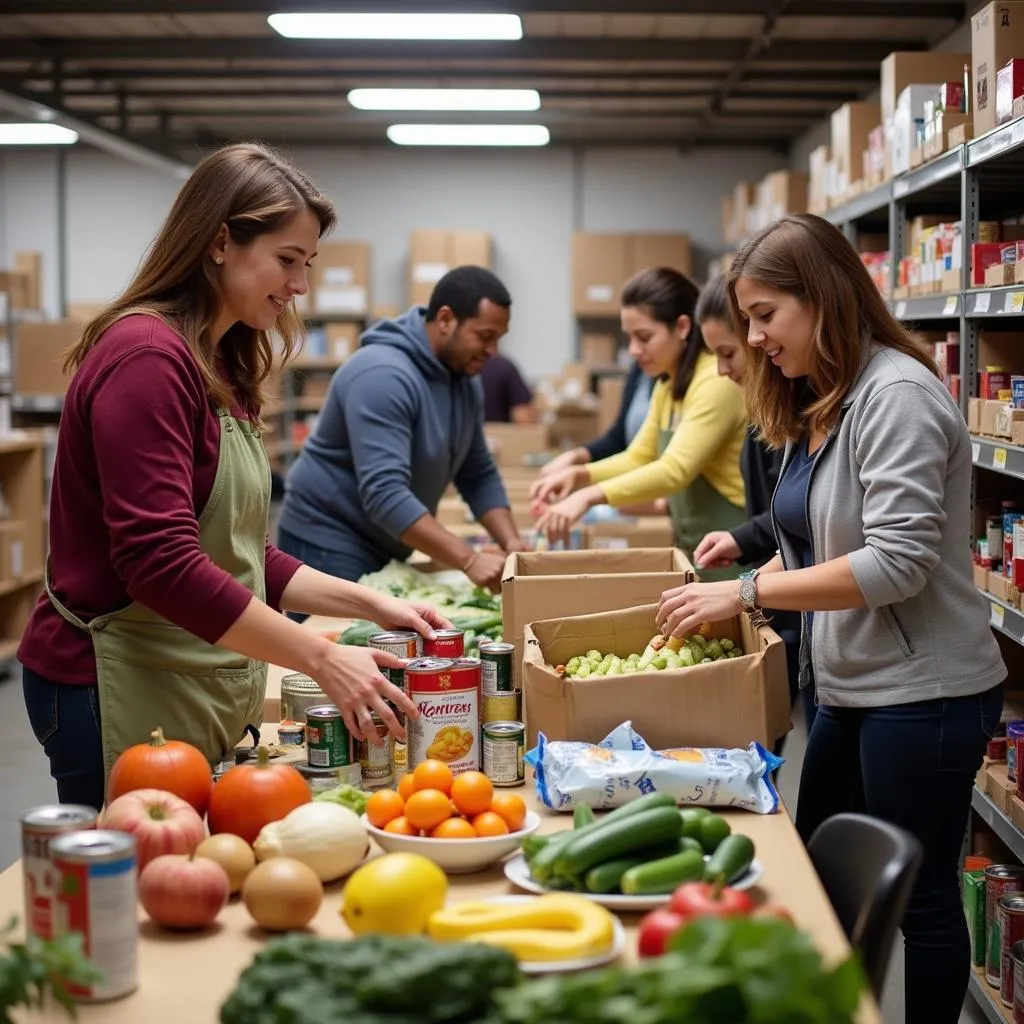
(807,257)
(253,192)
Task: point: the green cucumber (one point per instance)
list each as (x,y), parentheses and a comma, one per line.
(608,840)
(689,843)
(542,865)
(731,860)
(638,806)
(605,878)
(533,844)
(582,815)
(692,818)
(663,876)
(713,831)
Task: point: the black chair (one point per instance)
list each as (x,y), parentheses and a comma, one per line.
(868,868)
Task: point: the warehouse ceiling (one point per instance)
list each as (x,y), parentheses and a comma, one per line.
(178,77)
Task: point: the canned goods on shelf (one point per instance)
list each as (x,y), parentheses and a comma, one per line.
(328,743)
(497,662)
(1000,880)
(1011,933)
(503,744)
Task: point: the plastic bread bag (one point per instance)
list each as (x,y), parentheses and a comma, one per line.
(623,767)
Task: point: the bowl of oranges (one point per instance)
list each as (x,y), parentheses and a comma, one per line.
(459,821)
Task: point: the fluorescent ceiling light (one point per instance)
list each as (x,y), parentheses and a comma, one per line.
(445,99)
(36,133)
(301,25)
(469,134)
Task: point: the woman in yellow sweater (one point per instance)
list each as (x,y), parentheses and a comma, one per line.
(689,446)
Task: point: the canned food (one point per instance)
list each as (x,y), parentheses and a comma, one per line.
(377,763)
(322,779)
(1000,880)
(39,878)
(299,692)
(291,734)
(1011,933)
(503,707)
(503,744)
(446,643)
(402,643)
(97,897)
(328,744)
(1018,983)
(1014,733)
(401,760)
(448,726)
(497,660)
(466,673)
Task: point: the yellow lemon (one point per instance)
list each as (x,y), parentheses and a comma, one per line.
(393,895)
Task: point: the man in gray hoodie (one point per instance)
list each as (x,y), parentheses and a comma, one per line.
(402,420)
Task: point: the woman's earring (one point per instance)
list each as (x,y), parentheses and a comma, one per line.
(218,260)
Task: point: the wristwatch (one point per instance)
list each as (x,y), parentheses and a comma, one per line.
(748,590)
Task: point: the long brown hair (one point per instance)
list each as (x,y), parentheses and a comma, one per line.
(666,295)
(804,256)
(252,191)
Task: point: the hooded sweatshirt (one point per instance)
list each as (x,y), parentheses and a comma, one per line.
(396,428)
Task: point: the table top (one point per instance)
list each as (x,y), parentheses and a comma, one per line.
(272,701)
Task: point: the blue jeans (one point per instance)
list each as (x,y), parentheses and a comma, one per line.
(66,722)
(912,765)
(334,563)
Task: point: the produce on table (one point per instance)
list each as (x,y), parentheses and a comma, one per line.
(549,928)
(656,929)
(160,822)
(345,795)
(623,767)
(282,894)
(731,859)
(710,899)
(660,654)
(232,853)
(170,765)
(249,796)
(393,895)
(371,980)
(329,838)
(185,892)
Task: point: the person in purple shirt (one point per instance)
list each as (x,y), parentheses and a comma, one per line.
(507,397)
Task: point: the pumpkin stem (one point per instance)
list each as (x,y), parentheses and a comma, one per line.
(262,756)
(156,738)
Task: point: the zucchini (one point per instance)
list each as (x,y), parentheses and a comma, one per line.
(689,843)
(692,818)
(713,831)
(663,876)
(542,866)
(731,860)
(638,806)
(582,815)
(605,877)
(533,844)
(610,839)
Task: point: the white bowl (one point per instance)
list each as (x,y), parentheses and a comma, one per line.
(456,856)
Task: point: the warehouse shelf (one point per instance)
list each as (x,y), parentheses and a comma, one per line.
(1004,617)
(998,822)
(940,174)
(868,204)
(37,403)
(927,307)
(987,998)
(999,456)
(1003,141)
(316,363)
(334,318)
(985,303)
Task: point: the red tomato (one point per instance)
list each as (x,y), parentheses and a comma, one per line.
(704,899)
(656,928)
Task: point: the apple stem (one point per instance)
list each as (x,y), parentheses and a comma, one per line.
(156,738)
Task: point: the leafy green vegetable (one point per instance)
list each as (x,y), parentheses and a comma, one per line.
(346,795)
(301,979)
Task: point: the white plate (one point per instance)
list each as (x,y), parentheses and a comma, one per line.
(565,966)
(517,872)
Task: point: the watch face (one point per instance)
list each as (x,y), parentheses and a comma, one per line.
(748,593)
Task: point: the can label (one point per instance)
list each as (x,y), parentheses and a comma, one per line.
(377,762)
(328,744)
(503,744)
(1011,932)
(98,899)
(974,910)
(1000,880)
(1018,984)
(40,878)
(448,726)
(503,707)
(496,662)
(401,760)
(403,644)
(446,643)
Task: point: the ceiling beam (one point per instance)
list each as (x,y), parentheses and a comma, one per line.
(852,51)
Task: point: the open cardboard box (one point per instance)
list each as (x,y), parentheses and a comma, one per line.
(725,704)
(542,584)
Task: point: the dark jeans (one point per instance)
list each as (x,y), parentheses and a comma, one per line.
(912,765)
(66,721)
(334,563)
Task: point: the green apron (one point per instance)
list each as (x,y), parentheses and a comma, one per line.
(152,673)
(696,511)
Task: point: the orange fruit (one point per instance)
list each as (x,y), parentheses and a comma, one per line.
(489,824)
(454,828)
(432,774)
(407,787)
(512,808)
(400,826)
(471,793)
(427,808)
(383,806)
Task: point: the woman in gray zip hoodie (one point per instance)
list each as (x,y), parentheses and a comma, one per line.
(873,519)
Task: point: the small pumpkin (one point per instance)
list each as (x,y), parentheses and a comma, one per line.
(249,796)
(171,765)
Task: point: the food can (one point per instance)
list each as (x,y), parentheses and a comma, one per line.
(1014,733)
(328,744)
(503,744)
(291,734)
(97,897)
(322,779)
(403,643)
(401,760)
(1018,983)
(994,534)
(38,827)
(1000,880)
(974,911)
(503,707)
(1011,933)
(448,726)
(497,660)
(446,643)
(377,763)
(299,692)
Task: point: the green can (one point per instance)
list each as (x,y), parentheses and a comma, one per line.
(496,668)
(974,911)
(328,743)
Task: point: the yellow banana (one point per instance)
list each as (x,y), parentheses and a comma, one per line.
(556,927)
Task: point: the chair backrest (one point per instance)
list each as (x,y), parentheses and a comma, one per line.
(868,868)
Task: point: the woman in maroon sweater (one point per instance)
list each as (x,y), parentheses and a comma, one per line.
(163,597)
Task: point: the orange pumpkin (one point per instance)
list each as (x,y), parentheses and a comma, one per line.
(170,765)
(249,796)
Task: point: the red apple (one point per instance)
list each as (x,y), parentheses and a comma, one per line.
(161,823)
(179,892)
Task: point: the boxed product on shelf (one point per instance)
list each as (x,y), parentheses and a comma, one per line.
(12,550)
(939,132)
(598,349)
(779,193)
(341,277)
(725,704)
(729,233)
(1009,87)
(512,444)
(340,341)
(817,187)
(39,356)
(983,256)
(435,251)
(851,125)
(974,415)
(744,201)
(960,134)
(947,354)
(878,265)
(997,35)
(908,123)
(904,68)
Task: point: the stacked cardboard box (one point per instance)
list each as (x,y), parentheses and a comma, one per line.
(433,252)
(340,282)
(997,36)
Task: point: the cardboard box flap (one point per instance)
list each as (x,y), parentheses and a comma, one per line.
(591,563)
